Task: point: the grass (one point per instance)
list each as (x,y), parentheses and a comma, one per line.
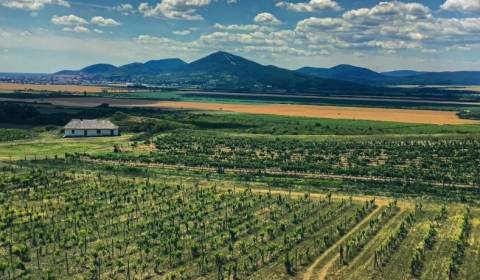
(12,134)
(436,260)
(469,270)
(51,144)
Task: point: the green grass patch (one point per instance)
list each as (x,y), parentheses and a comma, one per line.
(51,144)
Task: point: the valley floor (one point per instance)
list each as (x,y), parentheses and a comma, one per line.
(292,110)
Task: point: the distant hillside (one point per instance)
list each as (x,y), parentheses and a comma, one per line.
(402,73)
(366,76)
(152,67)
(224,70)
(443,78)
(343,72)
(219,70)
(99,69)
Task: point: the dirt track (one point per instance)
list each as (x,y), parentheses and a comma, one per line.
(329,112)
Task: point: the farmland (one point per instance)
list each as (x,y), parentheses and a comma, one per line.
(50,88)
(295,110)
(189,227)
(330,112)
(215,195)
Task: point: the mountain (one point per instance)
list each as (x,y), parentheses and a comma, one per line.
(343,72)
(225,70)
(97,69)
(152,67)
(314,71)
(443,78)
(218,70)
(411,77)
(356,74)
(402,73)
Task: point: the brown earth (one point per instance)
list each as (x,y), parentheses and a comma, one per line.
(329,112)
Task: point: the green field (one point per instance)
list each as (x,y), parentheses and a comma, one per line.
(188,195)
(52,144)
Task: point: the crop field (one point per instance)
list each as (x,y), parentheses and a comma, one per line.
(52,88)
(443,160)
(188,195)
(292,110)
(329,112)
(179,228)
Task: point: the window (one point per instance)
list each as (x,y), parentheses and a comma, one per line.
(73,132)
(99,131)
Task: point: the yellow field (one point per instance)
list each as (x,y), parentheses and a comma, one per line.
(328,112)
(55,88)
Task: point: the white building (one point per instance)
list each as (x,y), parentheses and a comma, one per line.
(90,128)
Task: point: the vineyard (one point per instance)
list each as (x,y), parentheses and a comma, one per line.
(82,224)
(444,160)
(182,195)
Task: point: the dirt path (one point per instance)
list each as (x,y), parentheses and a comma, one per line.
(313,273)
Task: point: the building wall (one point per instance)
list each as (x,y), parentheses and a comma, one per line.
(90,132)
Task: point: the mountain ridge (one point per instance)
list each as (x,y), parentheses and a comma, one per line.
(225,70)
(218,70)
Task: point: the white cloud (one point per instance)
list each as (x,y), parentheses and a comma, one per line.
(319,24)
(389,26)
(311,6)
(98,31)
(232,2)
(175,9)
(69,20)
(104,22)
(266,19)
(465,6)
(33,5)
(182,32)
(77,29)
(255,38)
(237,27)
(125,9)
(389,11)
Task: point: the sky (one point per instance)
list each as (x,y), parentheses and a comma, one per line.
(44,36)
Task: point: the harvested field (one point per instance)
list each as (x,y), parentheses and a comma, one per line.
(55,88)
(329,112)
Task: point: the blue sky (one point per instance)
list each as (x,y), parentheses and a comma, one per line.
(51,35)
